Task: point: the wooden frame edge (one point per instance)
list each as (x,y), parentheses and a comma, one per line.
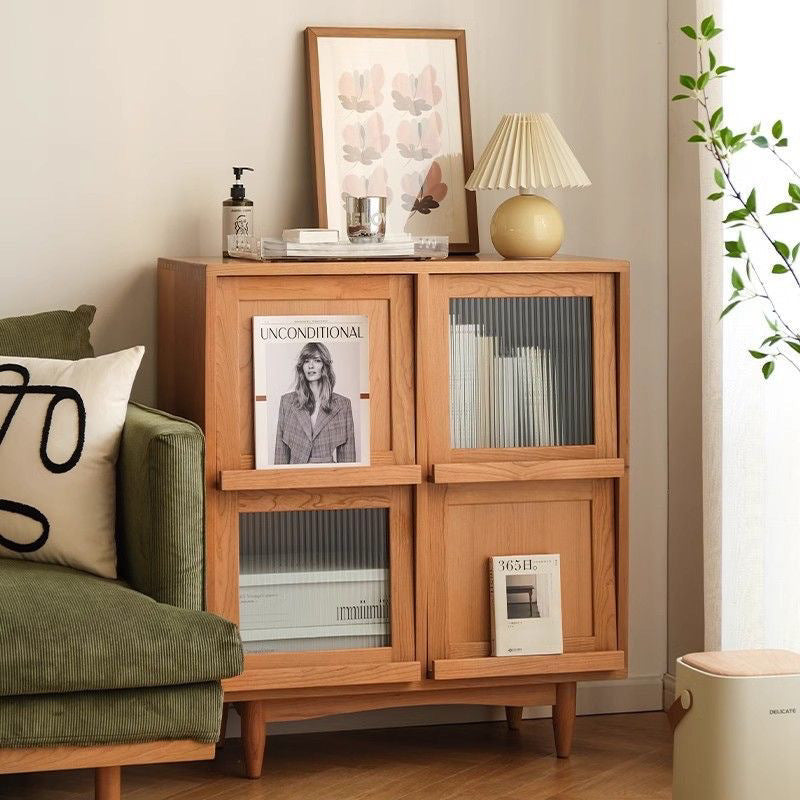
(45,759)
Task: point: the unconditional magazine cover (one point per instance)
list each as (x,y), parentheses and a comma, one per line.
(311,382)
(525,596)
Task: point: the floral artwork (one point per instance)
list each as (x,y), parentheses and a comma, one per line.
(361,91)
(416,93)
(390,117)
(364,142)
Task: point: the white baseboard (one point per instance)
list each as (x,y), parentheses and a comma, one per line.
(640,693)
(669,690)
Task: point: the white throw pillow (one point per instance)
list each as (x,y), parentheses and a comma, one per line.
(60,428)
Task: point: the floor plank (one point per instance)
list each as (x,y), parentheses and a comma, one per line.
(624,756)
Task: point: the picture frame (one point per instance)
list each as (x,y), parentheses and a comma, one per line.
(390,116)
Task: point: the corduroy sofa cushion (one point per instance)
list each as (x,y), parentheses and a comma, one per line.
(115,717)
(51,334)
(160,507)
(66,631)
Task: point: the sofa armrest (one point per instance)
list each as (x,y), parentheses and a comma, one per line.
(160,507)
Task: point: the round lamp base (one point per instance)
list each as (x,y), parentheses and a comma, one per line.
(527,226)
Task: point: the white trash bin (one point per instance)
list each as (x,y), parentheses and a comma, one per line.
(736,723)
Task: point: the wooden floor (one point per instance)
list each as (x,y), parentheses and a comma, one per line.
(619,757)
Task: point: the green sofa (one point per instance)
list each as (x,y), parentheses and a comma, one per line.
(94,671)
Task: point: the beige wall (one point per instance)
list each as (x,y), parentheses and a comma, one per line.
(121,122)
(685,537)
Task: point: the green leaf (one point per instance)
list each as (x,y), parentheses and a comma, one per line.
(688,81)
(757,354)
(782,208)
(723,70)
(707,26)
(699,125)
(736,216)
(794,251)
(777,130)
(755,129)
(726,135)
(716,118)
(761,141)
(782,249)
(712,60)
(703,79)
(794,345)
(782,143)
(773,325)
(767,369)
(689,31)
(779,269)
(736,280)
(728,308)
(771,340)
(719,178)
(715,32)
(733,248)
(680,97)
(696,138)
(715,196)
(794,192)
(750,203)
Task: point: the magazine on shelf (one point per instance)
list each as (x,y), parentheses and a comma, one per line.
(311,391)
(525,600)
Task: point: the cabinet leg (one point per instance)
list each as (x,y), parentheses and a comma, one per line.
(223,725)
(254,736)
(107,783)
(564,718)
(514,717)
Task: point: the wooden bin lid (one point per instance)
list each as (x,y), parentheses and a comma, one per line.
(742,663)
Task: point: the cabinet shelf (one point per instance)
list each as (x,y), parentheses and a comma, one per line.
(508,666)
(240,480)
(494,471)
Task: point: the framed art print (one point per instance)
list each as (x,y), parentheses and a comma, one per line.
(390,117)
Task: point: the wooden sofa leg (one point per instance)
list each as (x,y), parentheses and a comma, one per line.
(514,717)
(564,718)
(254,736)
(223,725)
(108,783)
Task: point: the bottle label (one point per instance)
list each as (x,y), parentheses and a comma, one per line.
(236,220)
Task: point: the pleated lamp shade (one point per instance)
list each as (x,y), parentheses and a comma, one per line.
(527,151)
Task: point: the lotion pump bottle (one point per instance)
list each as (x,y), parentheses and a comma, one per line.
(237,211)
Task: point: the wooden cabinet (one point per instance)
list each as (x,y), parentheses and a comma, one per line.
(499,425)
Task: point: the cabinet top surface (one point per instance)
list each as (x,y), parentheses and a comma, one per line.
(459,264)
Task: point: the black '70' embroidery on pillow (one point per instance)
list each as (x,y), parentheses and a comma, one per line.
(59,395)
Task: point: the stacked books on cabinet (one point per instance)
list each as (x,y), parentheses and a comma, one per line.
(314,580)
(520,372)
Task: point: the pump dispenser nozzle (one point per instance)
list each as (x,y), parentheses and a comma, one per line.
(237,171)
(237,190)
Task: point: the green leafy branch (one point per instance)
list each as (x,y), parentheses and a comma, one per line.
(783,340)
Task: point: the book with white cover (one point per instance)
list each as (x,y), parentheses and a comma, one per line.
(525,601)
(309,235)
(311,391)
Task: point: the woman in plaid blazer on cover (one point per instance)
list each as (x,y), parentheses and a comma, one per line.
(315,425)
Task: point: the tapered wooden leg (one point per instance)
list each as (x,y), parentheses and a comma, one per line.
(254,736)
(223,725)
(514,717)
(564,718)
(107,783)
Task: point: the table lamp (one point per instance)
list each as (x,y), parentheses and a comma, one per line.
(527,152)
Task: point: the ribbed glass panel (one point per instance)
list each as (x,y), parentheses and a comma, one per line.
(314,580)
(520,371)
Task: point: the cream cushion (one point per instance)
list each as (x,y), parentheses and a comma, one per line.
(60,429)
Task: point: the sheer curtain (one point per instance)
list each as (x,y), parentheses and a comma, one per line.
(752,426)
